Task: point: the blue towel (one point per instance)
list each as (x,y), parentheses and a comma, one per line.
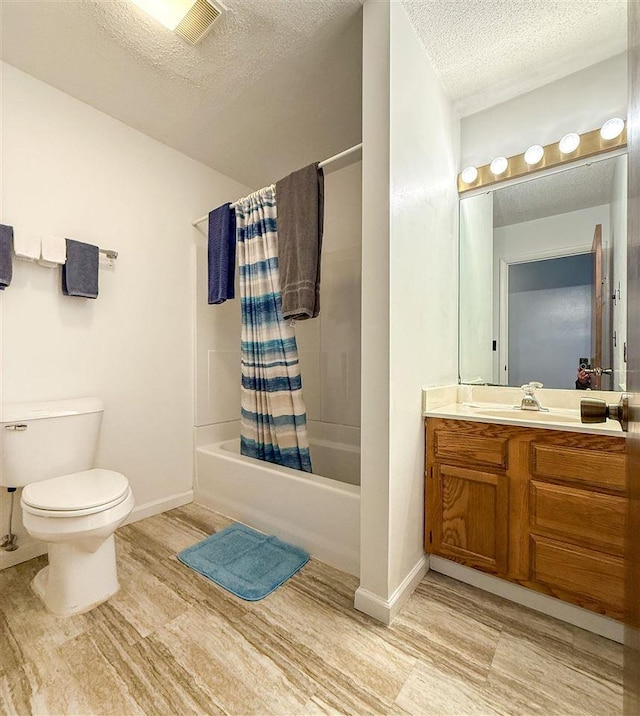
(222,253)
(6,265)
(80,273)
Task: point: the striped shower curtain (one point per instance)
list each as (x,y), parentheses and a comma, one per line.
(274,420)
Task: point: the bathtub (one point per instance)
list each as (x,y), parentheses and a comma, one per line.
(319,512)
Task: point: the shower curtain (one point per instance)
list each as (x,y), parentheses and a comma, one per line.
(274,420)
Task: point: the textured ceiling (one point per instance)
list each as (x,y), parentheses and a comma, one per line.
(277,83)
(570,190)
(274,85)
(488,51)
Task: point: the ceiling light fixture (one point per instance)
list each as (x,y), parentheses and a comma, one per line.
(469,175)
(191,19)
(168,12)
(612,128)
(534,154)
(569,143)
(499,166)
(610,138)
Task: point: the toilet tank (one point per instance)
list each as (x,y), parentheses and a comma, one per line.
(43,440)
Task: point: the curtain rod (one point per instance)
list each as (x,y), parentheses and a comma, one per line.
(321,165)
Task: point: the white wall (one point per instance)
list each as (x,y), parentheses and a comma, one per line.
(68,169)
(551,234)
(562,234)
(619,282)
(329,346)
(409,294)
(577,103)
(549,330)
(374,465)
(476,289)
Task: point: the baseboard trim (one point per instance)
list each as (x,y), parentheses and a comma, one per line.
(32,549)
(583,618)
(164,504)
(29,548)
(386,610)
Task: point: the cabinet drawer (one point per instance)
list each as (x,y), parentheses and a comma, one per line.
(456,446)
(590,519)
(594,468)
(593,576)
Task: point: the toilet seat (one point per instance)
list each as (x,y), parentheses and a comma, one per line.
(76,494)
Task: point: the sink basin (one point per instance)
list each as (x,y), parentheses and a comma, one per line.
(532,415)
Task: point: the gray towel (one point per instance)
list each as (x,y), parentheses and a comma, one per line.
(80,273)
(300,202)
(6,265)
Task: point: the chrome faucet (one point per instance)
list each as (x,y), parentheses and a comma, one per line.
(529,400)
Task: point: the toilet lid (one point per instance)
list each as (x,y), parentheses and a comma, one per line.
(77,491)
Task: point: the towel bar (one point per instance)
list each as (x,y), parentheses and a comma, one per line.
(109,253)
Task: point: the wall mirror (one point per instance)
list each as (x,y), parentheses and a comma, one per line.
(543,280)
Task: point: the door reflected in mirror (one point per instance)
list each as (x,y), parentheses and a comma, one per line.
(543,280)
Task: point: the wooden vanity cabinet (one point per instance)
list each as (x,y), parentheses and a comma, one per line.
(540,507)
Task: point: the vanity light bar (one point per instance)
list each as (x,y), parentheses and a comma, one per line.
(591,144)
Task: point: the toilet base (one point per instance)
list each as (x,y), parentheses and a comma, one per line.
(80,575)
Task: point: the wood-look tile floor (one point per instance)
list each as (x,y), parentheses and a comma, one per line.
(171,642)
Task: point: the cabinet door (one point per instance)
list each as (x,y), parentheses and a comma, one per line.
(467,517)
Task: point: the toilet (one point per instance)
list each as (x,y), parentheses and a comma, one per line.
(49,450)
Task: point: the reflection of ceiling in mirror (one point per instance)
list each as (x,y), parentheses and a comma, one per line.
(490,51)
(571,190)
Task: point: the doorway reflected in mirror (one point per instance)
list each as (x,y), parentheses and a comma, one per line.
(549,319)
(543,280)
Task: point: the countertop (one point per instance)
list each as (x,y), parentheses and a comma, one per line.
(556,419)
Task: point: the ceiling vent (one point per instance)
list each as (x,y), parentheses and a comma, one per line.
(198,21)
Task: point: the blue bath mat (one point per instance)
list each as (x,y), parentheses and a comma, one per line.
(246,563)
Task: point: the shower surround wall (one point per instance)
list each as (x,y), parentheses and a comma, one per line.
(71,170)
(329,346)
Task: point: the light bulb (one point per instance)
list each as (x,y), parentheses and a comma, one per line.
(168,12)
(569,143)
(612,128)
(499,166)
(534,154)
(469,175)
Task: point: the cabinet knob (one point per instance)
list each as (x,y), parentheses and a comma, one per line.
(593,410)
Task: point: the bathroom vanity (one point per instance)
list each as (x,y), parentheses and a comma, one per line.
(516,486)
(541,506)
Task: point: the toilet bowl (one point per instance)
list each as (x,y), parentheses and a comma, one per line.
(77,515)
(48,449)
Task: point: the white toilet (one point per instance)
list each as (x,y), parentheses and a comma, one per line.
(49,448)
